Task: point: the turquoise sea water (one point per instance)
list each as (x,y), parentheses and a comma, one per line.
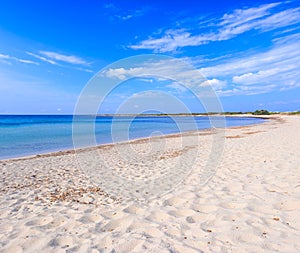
(23,135)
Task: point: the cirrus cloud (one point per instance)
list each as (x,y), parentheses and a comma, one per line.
(263,18)
(64,58)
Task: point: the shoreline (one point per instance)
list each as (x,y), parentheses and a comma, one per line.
(48,204)
(90,148)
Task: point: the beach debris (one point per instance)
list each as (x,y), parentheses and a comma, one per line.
(79,195)
(234,136)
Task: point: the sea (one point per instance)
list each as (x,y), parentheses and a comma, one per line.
(26,135)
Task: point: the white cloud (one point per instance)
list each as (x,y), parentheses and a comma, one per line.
(146,80)
(117,13)
(4,56)
(246,90)
(255,78)
(248,73)
(177,86)
(148,94)
(178,71)
(281,19)
(275,69)
(110,6)
(215,83)
(28,61)
(125,17)
(170,41)
(130,14)
(64,58)
(242,16)
(13,58)
(295,37)
(122,73)
(229,26)
(58,60)
(42,58)
(85,70)
(243,20)
(280,58)
(242,78)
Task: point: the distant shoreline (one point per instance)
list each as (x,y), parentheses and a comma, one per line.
(68,150)
(165,114)
(242,114)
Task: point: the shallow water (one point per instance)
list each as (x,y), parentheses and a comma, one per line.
(23,135)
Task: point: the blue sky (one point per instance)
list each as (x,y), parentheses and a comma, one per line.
(249,51)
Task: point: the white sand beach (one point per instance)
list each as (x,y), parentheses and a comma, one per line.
(250,204)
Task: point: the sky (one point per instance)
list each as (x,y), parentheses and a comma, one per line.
(247,51)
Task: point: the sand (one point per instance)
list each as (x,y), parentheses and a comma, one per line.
(249,203)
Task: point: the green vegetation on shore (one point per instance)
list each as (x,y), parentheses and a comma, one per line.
(294,113)
(261,112)
(257,112)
